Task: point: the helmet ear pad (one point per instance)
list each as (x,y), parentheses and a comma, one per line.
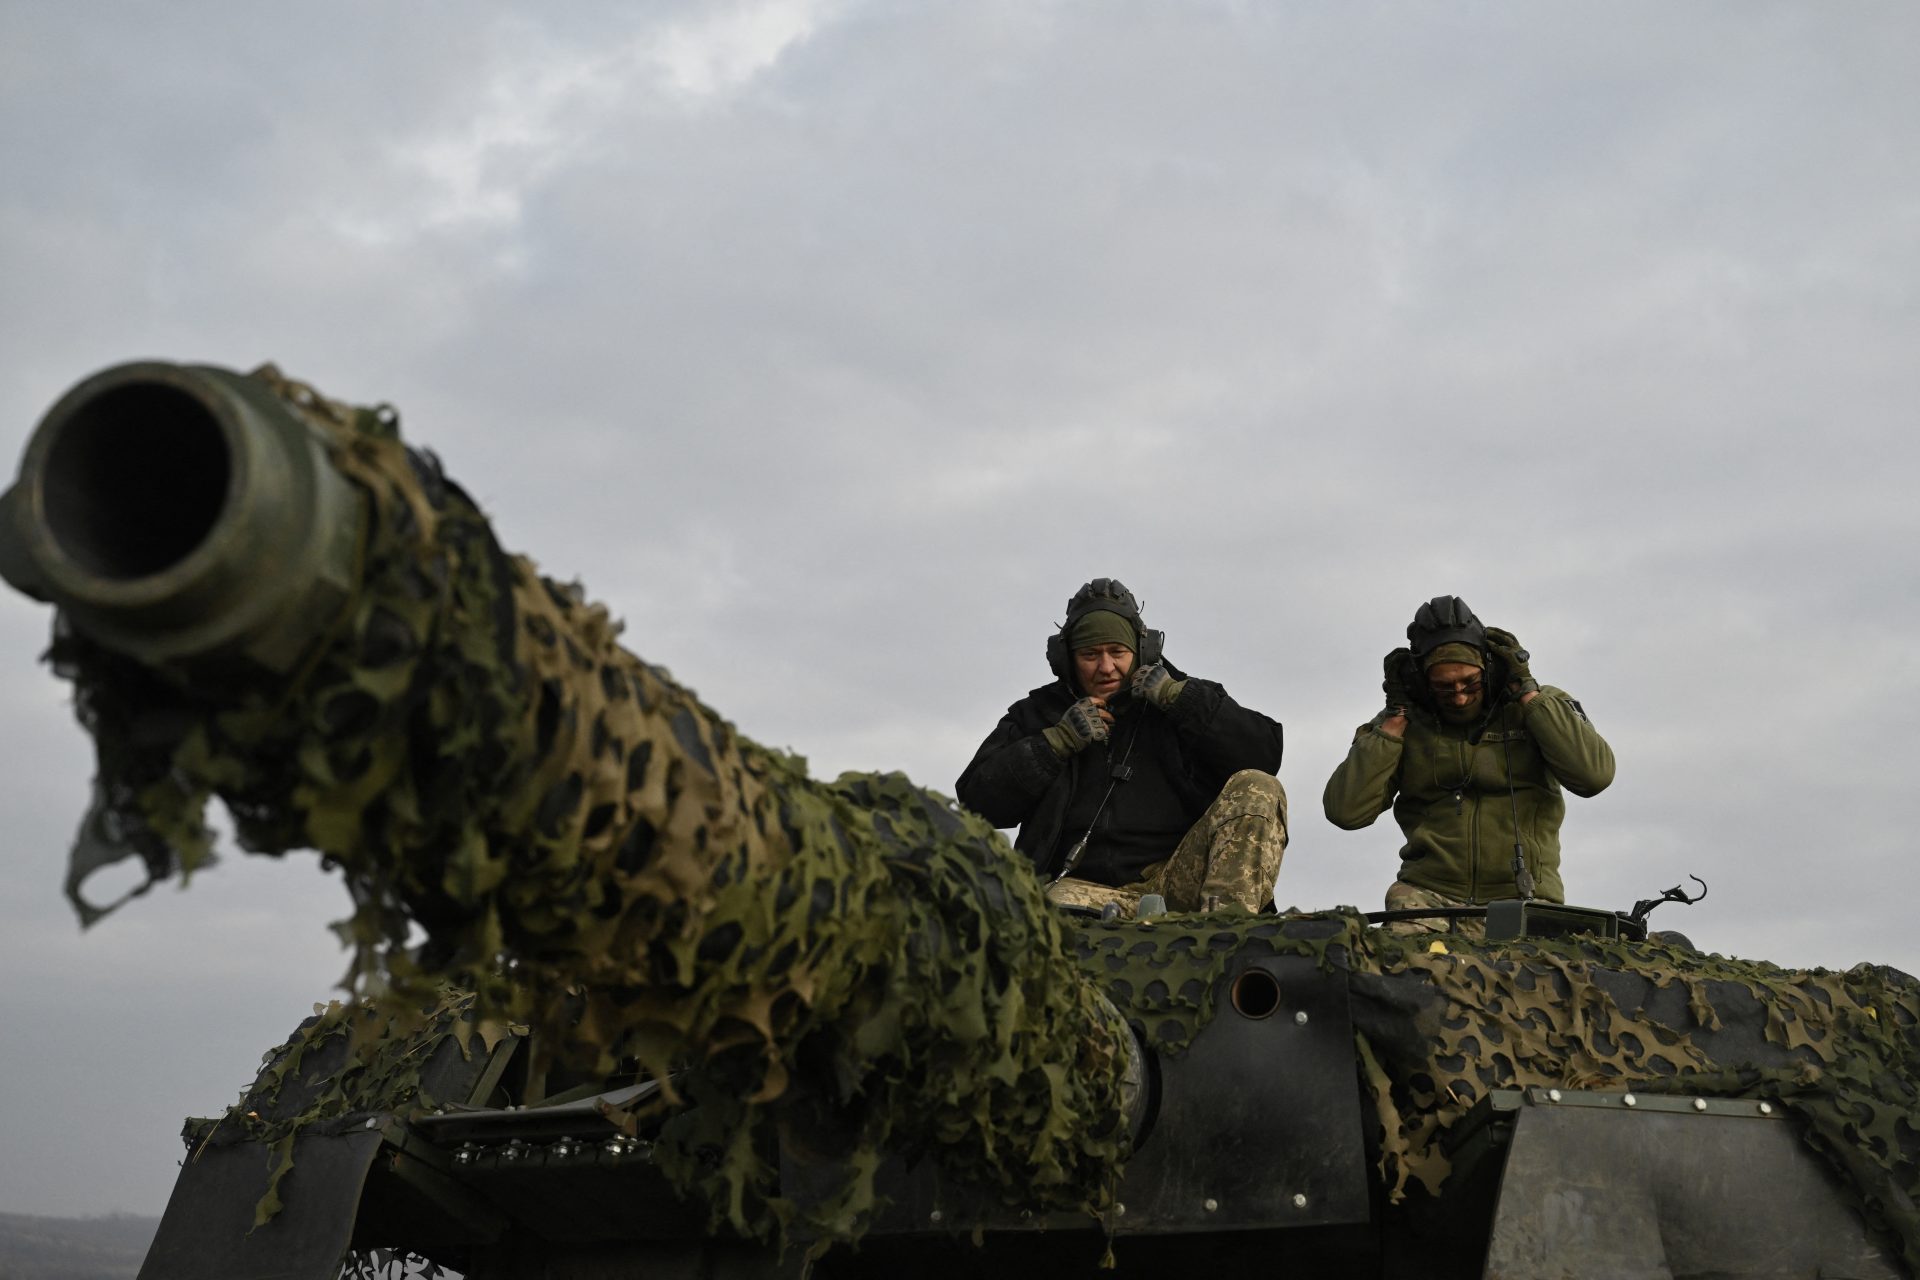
(1153,644)
(1058,658)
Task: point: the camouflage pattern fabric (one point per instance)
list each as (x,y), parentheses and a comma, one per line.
(1087,895)
(598,856)
(1439,1022)
(1444,1021)
(1229,858)
(1164,974)
(1402,896)
(345,1061)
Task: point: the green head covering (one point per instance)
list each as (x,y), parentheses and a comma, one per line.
(1103,627)
(1455,652)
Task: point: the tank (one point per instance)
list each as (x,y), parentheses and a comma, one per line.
(633,995)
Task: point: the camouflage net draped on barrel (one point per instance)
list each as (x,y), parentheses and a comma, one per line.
(1437,1028)
(597,855)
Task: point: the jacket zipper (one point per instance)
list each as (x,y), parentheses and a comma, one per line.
(1473,827)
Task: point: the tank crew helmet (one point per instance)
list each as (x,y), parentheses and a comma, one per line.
(1102,612)
(1445,630)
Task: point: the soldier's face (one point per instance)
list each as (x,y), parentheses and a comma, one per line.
(1102,668)
(1459,689)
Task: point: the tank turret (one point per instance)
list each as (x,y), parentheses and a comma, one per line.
(632,991)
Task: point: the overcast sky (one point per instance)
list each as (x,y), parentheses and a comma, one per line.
(834,344)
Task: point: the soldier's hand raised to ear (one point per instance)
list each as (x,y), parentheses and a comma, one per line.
(1083,724)
(1399,672)
(1155,684)
(1505,646)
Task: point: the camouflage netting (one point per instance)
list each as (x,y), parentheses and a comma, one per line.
(1840,1050)
(1164,974)
(858,965)
(344,1062)
(1439,1026)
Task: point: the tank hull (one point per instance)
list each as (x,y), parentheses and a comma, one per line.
(1262,1147)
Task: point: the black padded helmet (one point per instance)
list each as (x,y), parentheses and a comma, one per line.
(1445,620)
(1109,595)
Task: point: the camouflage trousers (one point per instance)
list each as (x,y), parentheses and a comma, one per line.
(1229,858)
(1402,896)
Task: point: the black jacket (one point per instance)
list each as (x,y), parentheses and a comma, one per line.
(1178,760)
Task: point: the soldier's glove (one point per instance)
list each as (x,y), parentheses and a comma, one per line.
(1155,684)
(1399,669)
(1078,729)
(1505,646)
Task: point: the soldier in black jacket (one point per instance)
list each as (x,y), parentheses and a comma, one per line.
(1127,777)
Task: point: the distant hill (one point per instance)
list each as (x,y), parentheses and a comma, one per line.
(109,1248)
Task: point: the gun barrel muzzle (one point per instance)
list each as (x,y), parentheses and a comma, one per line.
(173,510)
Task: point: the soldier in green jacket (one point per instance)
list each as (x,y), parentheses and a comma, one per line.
(1472,754)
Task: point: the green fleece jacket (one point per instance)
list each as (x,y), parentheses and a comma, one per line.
(1450,796)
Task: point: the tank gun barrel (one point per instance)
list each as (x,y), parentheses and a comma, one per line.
(270,599)
(172,511)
